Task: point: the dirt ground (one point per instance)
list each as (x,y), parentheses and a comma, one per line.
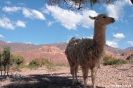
(60,77)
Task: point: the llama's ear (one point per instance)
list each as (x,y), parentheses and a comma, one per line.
(93,18)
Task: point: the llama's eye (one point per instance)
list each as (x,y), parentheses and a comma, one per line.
(104,17)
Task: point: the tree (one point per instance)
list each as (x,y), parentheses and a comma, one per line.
(5,59)
(1,60)
(78,4)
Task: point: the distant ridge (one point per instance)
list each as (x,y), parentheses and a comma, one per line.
(129,48)
(19,46)
(60,45)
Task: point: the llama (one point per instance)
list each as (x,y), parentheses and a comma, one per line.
(88,52)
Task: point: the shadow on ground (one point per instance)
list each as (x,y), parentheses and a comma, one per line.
(43,81)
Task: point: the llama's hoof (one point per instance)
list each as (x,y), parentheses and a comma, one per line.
(76,83)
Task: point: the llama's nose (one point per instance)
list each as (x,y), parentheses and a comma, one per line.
(113,20)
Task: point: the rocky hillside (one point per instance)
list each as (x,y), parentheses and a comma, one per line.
(127,53)
(129,48)
(113,50)
(51,53)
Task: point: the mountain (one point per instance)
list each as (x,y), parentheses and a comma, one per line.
(19,46)
(127,53)
(113,50)
(52,53)
(129,48)
(61,45)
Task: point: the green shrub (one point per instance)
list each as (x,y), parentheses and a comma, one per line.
(130,60)
(39,62)
(107,60)
(17,61)
(33,64)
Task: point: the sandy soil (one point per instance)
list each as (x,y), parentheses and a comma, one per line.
(60,77)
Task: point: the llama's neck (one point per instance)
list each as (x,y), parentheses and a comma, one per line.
(99,35)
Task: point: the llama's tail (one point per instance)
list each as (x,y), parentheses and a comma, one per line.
(69,45)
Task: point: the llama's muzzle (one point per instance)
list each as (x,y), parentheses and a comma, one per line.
(113,20)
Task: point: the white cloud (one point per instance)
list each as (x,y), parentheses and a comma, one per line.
(8,2)
(115,10)
(33,14)
(131,16)
(29,13)
(20,23)
(91,37)
(119,35)
(70,19)
(49,23)
(128,1)
(9,42)
(27,42)
(22,4)
(112,43)
(76,34)
(86,21)
(130,42)
(11,9)
(6,23)
(1,36)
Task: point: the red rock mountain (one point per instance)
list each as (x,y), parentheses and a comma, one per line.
(127,53)
(51,53)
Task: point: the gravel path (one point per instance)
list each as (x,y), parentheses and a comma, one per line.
(60,77)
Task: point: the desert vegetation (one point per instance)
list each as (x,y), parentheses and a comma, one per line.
(17,62)
(39,62)
(5,60)
(108,60)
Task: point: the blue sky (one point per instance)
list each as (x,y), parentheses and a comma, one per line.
(35,22)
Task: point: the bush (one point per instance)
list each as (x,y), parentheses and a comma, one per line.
(39,62)
(33,64)
(17,61)
(107,60)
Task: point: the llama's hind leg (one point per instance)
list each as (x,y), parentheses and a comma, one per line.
(74,69)
(73,76)
(85,75)
(93,76)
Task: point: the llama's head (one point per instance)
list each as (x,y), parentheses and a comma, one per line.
(103,19)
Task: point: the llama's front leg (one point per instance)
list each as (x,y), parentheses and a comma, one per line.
(85,75)
(76,71)
(93,76)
